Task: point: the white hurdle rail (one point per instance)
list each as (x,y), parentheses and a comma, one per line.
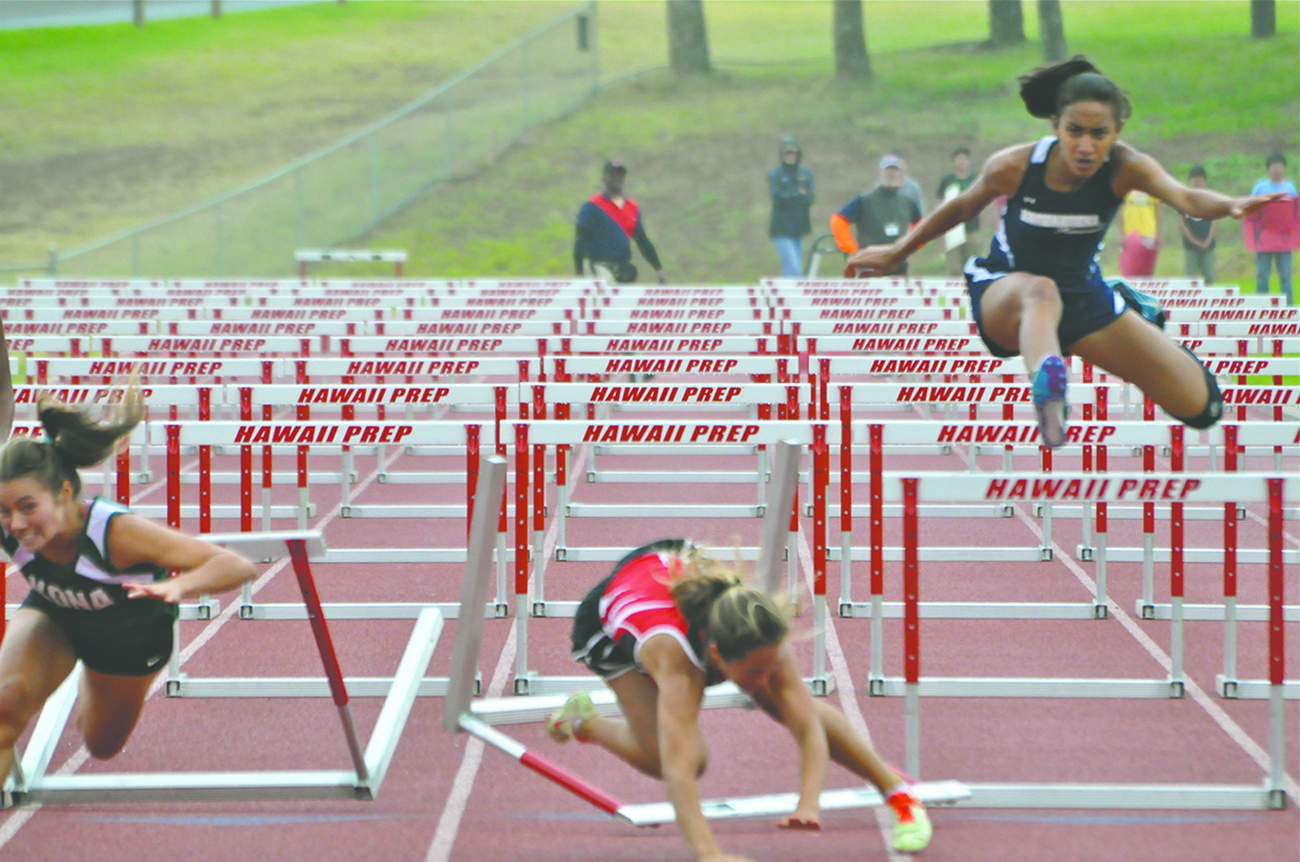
(463,714)
(332,437)
(911,489)
(30,782)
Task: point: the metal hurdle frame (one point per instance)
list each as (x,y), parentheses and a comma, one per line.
(790,436)
(477,718)
(912,489)
(326,435)
(30,782)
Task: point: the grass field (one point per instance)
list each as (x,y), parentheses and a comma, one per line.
(109,127)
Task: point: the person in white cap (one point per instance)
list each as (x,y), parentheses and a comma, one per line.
(880,216)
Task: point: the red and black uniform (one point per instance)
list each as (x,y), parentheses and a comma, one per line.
(629,607)
(605,232)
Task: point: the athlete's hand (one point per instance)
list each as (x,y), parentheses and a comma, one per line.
(167,591)
(1242,207)
(872,260)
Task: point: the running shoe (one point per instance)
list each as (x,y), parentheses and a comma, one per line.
(562,724)
(1049,401)
(912,828)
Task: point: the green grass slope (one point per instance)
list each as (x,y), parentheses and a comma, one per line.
(106,127)
(699,148)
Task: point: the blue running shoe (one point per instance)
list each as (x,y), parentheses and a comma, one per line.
(1049,401)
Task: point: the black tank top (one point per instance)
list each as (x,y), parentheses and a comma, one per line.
(1053,233)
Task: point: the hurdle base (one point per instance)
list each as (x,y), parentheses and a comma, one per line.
(1254,689)
(1123,796)
(777,804)
(1145,689)
(1084,554)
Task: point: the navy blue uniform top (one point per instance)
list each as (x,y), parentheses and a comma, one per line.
(87,596)
(1051,233)
(605,233)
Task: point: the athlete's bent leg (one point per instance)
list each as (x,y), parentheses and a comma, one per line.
(1134,350)
(108,709)
(1021,311)
(635,737)
(34,658)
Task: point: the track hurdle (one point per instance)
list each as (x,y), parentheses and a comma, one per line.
(1253,488)
(30,782)
(462,714)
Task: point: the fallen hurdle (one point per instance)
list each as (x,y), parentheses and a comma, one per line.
(462,714)
(30,781)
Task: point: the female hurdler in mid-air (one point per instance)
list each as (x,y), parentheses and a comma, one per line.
(669,621)
(1039,292)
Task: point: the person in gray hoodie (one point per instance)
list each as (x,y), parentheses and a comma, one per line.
(792,189)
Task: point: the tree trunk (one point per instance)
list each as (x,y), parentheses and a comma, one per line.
(1263,18)
(851,59)
(1052,29)
(688,43)
(137,12)
(1006,23)
(216,9)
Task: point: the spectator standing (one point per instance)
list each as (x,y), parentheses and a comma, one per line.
(910,187)
(1276,181)
(608,223)
(1139,220)
(959,242)
(1198,235)
(881,216)
(792,188)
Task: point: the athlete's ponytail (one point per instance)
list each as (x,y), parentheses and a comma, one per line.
(736,617)
(1049,90)
(73,439)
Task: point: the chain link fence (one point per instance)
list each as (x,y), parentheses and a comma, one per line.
(345,189)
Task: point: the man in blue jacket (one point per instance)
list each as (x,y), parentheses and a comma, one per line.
(607,224)
(791,185)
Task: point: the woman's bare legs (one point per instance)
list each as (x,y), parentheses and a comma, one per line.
(1134,350)
(633,738)
(1021,312)
(34,658)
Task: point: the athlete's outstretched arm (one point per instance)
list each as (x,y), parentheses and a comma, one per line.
(204,567)
(1140,171)
(786,698)
(681,748)
(1001,176)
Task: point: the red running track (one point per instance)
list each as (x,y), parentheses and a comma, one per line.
(445,798)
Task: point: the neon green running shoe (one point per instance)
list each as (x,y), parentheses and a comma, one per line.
(562,724)
(912,828)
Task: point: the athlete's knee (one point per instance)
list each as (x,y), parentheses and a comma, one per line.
(1213,403)
(102,742)
(1040,290)
(17,706)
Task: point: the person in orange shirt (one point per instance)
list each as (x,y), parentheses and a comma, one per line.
(880,216)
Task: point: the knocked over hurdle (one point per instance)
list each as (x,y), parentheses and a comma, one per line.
(477,719)
(29,780)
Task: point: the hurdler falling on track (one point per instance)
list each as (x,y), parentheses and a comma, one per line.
(100,590)
(669,621)
(1039,291)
